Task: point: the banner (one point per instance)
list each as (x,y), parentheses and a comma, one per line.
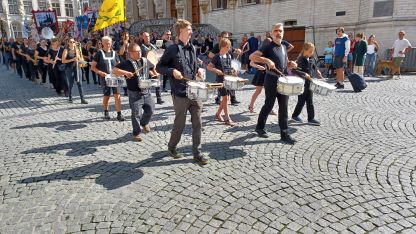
(82,25)
(111,12)
(46,19)
(92,18)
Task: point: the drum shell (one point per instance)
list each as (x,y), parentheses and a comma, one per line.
(233,83)
(111,81)
(320,90)
(197,92)
(122,82)
(290,89)
(145,84)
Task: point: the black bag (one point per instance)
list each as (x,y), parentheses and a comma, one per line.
(357,82)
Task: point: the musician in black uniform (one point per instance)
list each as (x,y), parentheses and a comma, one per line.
(25,62)
(146,46)
(102,64)
(167,41)
(141,102)
(41,54)
(177,62)
(16,51)
(274,55)
(122,50)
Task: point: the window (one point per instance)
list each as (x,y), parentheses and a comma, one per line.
(55,6)
(69,10)
(27,5)
(290,23)
(16,29)
(250,2)
(219,4)
(1,8)
(383,8)
(340,13)
(13,8)
(42,5)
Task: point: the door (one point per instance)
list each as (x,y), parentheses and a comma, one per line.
(296,37)
(173,12)
(195,12)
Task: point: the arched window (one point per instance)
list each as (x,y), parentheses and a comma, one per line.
(16,29)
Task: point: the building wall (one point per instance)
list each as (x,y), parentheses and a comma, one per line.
(318,16)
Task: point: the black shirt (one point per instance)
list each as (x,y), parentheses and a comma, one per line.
(276,53)
(305,65)
(52,54)
(216,50)
(223,64)
(133,83)
(102,64)
(42,53)
(183,59)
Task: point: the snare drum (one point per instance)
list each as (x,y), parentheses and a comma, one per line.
(290,85)
(321,88)
(111,81)
(155,82)
(122,82)
(234,83)
(145,84)
(199,91)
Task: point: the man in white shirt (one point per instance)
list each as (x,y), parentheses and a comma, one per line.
(399,49)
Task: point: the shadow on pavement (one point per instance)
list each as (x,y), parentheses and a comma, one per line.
(62,125)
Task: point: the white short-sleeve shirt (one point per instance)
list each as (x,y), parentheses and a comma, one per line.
(400,45)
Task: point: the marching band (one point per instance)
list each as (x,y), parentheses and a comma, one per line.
(137,65)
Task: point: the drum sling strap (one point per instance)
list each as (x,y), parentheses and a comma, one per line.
(108,60)
(145,72)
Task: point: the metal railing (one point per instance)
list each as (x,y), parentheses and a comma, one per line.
(409,62)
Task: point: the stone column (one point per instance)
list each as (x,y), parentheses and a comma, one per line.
(35,5)
(180,8)
(49,4)
(143,13)
(160,7)
(62,7)
(203,4)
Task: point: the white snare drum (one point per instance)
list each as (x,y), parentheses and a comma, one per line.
(290,85)
(199,91)
(145,84)
(234,83)
(321,88)
(122,82)
(155,82)
(111,81)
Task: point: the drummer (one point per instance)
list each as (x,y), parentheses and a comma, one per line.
(221,65)
(179,61)
(305,64)
(138,98)
(274,55)
(146,46)
(102,63)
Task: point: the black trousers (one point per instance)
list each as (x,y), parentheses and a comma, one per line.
(19,66)
(165,79)
(306,97)
(25,66)
(270,88)
(43,71)
(87,75)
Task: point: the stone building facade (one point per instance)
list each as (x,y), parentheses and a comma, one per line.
(315,19)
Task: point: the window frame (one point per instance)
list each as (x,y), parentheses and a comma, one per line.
(224,4)
(69,10)
(13,7)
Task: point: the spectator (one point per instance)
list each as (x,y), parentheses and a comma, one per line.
(400,47)
(371,56)
(359,51)
(352,44)
(328,52)
(244,46)
(209,41)
(341,51)
(253,44)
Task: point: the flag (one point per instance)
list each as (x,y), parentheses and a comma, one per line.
(111,12)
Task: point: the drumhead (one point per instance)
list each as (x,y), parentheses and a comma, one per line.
(323,84)
(152,57)
(291,80)
(236,65)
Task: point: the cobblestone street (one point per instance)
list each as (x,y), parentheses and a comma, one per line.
(63,169)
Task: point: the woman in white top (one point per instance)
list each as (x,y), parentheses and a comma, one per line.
(371,56)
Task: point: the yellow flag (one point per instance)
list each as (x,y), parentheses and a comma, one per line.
(111,12)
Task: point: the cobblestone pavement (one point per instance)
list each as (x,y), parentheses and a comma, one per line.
(65,170)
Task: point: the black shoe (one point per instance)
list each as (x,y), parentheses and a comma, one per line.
(120,117)
(339,86)
(235,102)
(106,115)
(165,90)
(262,133)
(125,94)
(173,153)
(201,158)
(160,101)
(286,138)
(314,122)
(70,100)
(217,101)
(83,101)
